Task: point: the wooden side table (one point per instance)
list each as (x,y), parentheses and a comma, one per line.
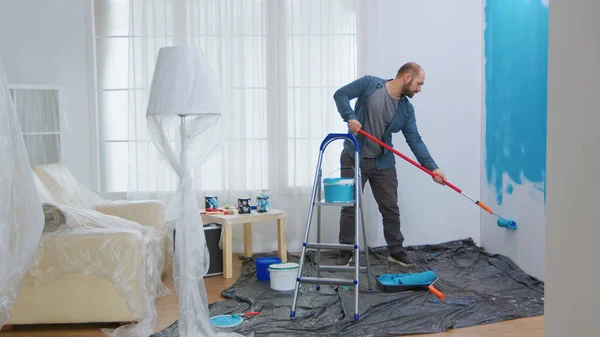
(226,221)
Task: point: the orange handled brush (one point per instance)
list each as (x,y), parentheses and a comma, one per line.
(502,222)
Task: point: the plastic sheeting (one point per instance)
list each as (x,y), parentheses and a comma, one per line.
(184,84)
(120,241)
(21,215)
(480,288)
(54,226)
(83,233)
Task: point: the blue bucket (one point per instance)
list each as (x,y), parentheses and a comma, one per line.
(338,189)
(262,267)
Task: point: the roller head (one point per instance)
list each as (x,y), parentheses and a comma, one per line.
(510,224)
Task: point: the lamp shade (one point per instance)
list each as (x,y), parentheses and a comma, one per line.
(183,84)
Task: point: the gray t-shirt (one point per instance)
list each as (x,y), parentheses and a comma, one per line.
(381,108)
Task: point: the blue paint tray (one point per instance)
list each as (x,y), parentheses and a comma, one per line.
(226,321)
(402,282)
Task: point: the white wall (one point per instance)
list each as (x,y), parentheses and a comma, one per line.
(525,245)
(445,38)
(514,131)
(47,43)
(573,160)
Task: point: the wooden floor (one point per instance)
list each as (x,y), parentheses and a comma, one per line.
(167,314)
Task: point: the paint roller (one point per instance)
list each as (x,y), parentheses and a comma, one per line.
(423,279)
(502,222)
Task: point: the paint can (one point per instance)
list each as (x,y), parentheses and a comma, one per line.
(282,276)
(339,189)
(244,206)
(262,266)
(262,203)
(211,202)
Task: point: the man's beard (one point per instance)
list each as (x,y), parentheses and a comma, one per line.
(406,90)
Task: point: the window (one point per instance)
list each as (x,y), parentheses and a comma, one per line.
(321,51)
(37,109)
(279,63)
(122,83)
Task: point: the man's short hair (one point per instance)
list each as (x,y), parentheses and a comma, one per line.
(410,67)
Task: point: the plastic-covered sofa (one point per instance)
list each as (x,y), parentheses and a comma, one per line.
(97,261)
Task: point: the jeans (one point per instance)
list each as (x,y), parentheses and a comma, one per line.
(384,185)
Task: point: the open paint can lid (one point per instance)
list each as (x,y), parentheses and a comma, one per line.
(283,266)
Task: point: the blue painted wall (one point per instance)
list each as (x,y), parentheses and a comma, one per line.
(516,56)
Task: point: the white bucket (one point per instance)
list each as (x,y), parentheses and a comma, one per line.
(283,276)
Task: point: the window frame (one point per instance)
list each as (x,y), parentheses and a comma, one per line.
(62,122)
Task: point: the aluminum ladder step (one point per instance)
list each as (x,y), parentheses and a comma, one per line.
(336,246)
(329,281)
(341,268)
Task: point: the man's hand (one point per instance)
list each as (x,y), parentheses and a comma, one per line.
(354,126)
(439,178)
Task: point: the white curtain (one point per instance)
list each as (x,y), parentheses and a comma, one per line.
(279,63)
(21,215)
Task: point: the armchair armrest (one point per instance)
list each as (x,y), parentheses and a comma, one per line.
(116,255)
(145,212)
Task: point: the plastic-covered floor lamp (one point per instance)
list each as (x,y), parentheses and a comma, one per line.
(185,107)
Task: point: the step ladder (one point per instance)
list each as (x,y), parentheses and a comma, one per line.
(316,201)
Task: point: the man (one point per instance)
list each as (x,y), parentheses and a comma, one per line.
(382,108)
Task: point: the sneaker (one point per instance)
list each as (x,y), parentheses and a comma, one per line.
(401,258)
(344,258)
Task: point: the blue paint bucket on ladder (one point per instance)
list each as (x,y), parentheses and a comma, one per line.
(262,267)
(338,189)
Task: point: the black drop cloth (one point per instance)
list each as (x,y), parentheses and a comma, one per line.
(480,288)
